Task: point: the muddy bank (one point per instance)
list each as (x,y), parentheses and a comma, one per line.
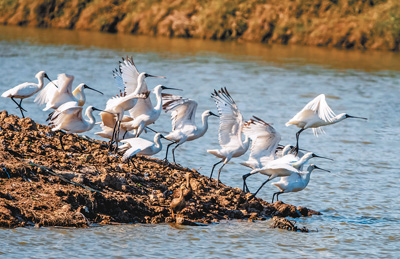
(42,185)
(360,24)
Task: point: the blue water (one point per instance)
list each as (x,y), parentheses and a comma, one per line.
(358,199)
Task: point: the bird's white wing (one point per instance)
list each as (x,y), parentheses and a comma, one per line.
(138,142)
(183,110)
(264,138)
(137,145)
(127,78)
(230,120)
(65,83)
(47,92)
(68,113)
(130,74)
(320,106)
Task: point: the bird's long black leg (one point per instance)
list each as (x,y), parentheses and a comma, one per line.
(112,136)
(19,106)
(212,170)
(296,148)
(117,137)
(245,187)
(166,154)
(254,194)
(61,142)
(273,196)
(173,152)
(219,172)
(277,195)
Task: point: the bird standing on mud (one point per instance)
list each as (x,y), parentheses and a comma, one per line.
(230,130)
(314,115)
(134,88)
(26,90)
(183,116)
(140,146)
(69,117)
(148,115)
(179,203)
(55,97)
(296,182)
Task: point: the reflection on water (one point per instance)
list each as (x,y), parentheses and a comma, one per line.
(358,199)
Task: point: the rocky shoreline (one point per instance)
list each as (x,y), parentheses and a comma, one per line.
(43,185)
(363,24)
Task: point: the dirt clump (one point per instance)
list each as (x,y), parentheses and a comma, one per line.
(43,185)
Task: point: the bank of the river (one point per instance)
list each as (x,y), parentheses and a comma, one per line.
(43,185)
(350,24)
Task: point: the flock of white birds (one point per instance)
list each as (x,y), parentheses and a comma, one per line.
(236,136)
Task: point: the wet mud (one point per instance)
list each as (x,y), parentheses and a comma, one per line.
(43,185)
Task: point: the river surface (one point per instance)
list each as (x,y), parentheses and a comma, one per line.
(359,198)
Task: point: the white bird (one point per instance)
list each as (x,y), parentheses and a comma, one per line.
(263,159)
(69,117)
(230,130)
(148,116)
(140,146)
(295,182)
(55,97)
(107,132)
(26,90)
(183,113)
(128,78)
(314,115)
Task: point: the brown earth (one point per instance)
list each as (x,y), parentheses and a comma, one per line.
(43,185)
(350,24)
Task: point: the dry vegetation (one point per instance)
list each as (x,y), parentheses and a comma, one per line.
(359,24)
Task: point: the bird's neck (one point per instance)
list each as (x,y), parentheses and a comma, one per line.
(301,162)
(157,142)
(139,86)
(92,120)
(159,101)
(306,177)
(40,82)
(80,95)
(246,142)
(202,130)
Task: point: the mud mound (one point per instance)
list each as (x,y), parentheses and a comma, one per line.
(41,184)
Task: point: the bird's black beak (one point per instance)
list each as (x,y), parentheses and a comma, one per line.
(213,114)
(95,109)
(349,116)
(48,78)
(147,75)
(316,167)
(85,86)
(170,88)
(314,155)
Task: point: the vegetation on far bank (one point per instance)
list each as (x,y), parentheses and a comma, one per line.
(350,24)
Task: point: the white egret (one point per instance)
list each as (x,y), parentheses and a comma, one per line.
(314,115)
(55,97)
(69,117)
(148,116)
(26,90)
(295,182)
(140,146)
(230,130)
(183,113)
